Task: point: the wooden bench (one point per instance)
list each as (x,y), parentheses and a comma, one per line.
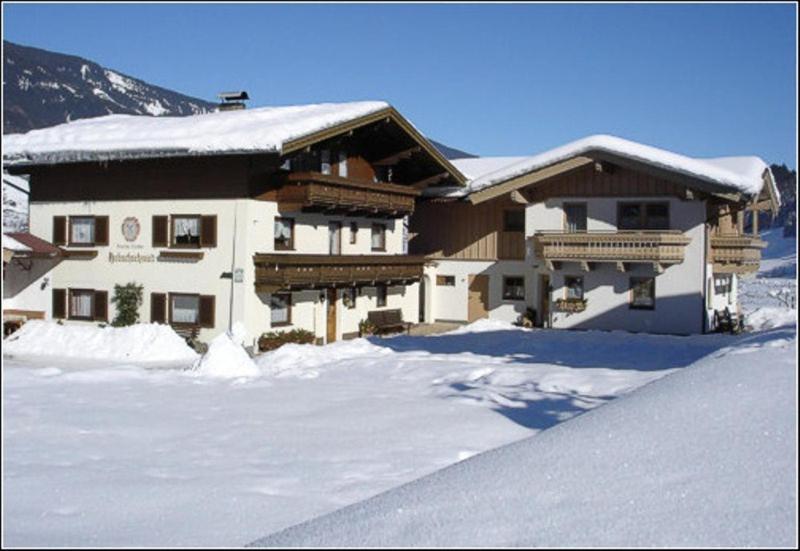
(188,332)
(387,321)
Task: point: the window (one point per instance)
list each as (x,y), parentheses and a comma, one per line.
(353,232)
(575,217)
(573,288)
(381,295)
(513,288)
(643,293)
(342,165)
(186,231)
(722,284)
(378,237)
(284,234)
(446,280)
(81,230)
(349,297)
(643,216)
(325,161)
(184,309)
(81,304)
(280,306)
(334,238)
(514,220)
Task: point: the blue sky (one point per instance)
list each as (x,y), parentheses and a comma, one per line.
(704,80)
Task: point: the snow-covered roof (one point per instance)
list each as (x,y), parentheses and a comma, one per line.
(12,244)
(263,129)
(738,174)
(474,167)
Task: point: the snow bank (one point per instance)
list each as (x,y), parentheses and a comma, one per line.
(305,360)
(122,136)
(768,317)
(742,174)
(226,358)
(144,342)
(704,457)
(12,244)
(483,326)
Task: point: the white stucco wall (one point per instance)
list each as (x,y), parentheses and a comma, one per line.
(679,289)
(244,227)
(451,303)
(28,289)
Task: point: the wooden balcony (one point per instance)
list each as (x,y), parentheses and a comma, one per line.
(661,248)
(314,192)
(740,254)
(295,272)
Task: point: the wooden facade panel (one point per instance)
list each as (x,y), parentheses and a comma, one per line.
(460,230)
(586,181)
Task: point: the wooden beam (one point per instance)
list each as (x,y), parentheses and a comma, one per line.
(430,181)
(399,156)
(658,267)
(517,197)
(620,267)
(585,266)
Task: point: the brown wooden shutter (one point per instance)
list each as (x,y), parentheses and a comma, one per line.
(160,231)
(59,230)
(101,306)
(59,303)
(207,310)
(158,308)
(101,230)
(208,231)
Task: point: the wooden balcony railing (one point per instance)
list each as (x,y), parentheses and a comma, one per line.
(311,191)
(294,272)
(739,254)
(656,246)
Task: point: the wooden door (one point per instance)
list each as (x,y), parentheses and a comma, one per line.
(331,315)
(544,300)
(478,300)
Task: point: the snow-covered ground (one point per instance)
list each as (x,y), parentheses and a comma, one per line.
(130,453)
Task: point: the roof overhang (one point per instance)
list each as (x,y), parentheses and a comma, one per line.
(544,173)
(388,114)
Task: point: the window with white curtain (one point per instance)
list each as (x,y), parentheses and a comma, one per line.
(80,304)
(284,234)
(342,166)
(185,309)
(186,230)
(82,232)
(279,309)
(378,237)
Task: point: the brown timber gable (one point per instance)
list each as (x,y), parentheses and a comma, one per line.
(460,230)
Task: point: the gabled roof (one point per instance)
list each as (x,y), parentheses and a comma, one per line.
(276,130)
(735,175)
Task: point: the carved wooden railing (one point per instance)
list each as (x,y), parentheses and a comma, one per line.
(657,246)
(311,191)
(736,253)
(285,272)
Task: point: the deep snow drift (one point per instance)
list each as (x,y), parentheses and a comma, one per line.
(144,342)
(705,457)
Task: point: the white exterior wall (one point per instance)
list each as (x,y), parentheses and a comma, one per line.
(29,289)
(679,289)
(254,233)
(451,303)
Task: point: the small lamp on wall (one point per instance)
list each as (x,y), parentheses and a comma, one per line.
(44,284)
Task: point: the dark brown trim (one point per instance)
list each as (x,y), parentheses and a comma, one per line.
(381,289)
(180,255)
(80,255)
(445,281)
